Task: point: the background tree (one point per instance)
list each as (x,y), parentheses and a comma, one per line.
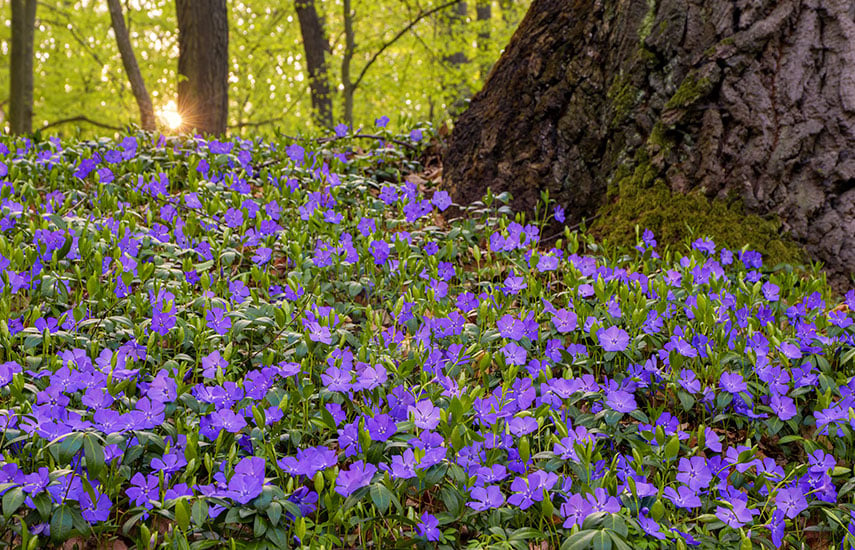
(129,60)
(81,84)
(316,47)
(203,65)
(621,100)
(21,66)
(483,15)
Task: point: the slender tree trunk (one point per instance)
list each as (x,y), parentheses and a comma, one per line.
(592,101)
(483,15)
(349,48)
(455,29)
(203,65)
(21,77)
(129,60)
(315,44)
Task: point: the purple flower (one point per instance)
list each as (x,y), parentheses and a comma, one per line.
(317,333)
(441,200)
(429,527)
(403,466)
(694,472)
(95,512)
(650,526)
(381,427)
(621,401)
(790,351)
(736,516)
(380,250)
(522,425)
(613,338)
(425,414)
(486,498)
(218,321)
(559,213)
(514,354)
(228,420)
(248,479)
(143,489)
(783,406)
(575,510)
(682,497)
(564,320)
(359,475)
(601,501)
(514,284)
(212,362)
(233,218)
(262,255)
(732,382)
(791,501)
(382,121)
(771,291)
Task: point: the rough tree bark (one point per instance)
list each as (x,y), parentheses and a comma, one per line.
(754,98)
(21,66)
(129,60)
(203,65)
(315,45)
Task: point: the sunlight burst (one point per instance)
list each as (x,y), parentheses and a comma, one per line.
(170,116)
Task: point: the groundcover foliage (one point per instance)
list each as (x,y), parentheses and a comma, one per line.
(272,344)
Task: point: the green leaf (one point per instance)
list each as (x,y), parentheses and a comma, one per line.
(61,523)
(274,513)
(619,543)
(199,512)
(182,514)
(580,541)
(616,524)
(12,500)
(381,497)
(601,540)
(94,452)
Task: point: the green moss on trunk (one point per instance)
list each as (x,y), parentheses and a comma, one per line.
(674,217)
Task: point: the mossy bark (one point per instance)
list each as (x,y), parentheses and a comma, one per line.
(595,99)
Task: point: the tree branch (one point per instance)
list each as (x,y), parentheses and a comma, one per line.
(397,37)
(81,118)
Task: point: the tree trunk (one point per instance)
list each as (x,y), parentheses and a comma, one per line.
(347,58)
(129,60)
(203,65)
(454,27)
(315,44)
(21,66)
(748,98)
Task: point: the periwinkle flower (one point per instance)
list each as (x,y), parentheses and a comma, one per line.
(358,475)
(217,320)
(425,414)
(613,338)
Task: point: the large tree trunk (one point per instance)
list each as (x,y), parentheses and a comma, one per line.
(21,66)
(754,98)
(315,45)
(129,60)
(203,65)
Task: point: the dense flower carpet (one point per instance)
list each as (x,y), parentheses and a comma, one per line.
(274,344)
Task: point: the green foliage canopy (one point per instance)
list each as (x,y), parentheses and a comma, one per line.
(78,70)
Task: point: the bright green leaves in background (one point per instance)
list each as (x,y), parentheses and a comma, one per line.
(424,75)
